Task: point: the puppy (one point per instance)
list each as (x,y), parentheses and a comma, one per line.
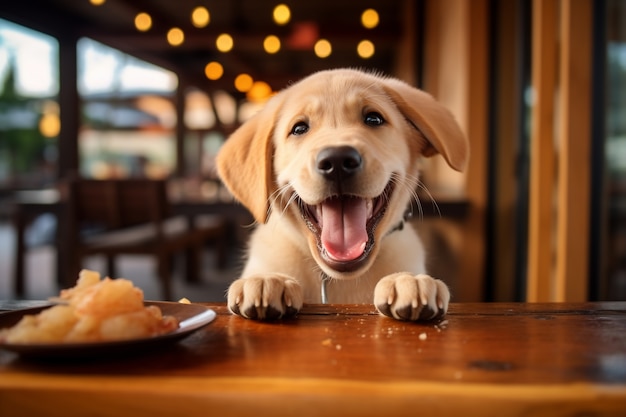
(328,169)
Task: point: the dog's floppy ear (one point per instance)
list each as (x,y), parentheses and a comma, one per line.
(244,163)
(433,120)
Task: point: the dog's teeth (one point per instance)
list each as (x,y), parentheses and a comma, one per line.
(370,208)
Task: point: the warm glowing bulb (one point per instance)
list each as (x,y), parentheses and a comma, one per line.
(281,14)
(224,42)
(323,48)
(175,37)
(369,19)
(243,83)
(143,22)
(50,125)
(365,49)
(271,44)
(200,17)
(214,71)
(260,91)
(97,2)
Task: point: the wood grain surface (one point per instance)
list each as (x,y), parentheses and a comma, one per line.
(481,359)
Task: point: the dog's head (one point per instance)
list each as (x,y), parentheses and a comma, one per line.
(337,154)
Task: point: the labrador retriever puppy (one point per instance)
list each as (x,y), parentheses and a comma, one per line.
(328,168)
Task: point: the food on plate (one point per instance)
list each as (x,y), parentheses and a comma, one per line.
(94,310)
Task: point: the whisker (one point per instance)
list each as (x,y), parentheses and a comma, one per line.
(281,193)
(409,185)
(292,200)
(423,187)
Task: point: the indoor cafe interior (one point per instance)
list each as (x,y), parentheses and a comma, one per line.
(146,92)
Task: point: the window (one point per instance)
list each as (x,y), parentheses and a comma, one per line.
(128,115)
(29,111)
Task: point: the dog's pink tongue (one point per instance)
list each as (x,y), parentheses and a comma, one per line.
(344,232)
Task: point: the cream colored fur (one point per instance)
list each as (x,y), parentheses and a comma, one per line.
(270,169)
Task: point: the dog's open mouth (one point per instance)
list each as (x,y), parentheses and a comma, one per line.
(344,226)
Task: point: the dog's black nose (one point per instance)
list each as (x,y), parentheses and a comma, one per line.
(339,162)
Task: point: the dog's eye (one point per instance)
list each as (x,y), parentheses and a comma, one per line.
(373,119)
(299,128)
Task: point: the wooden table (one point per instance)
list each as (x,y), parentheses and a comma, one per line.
(481,360)
(29,205)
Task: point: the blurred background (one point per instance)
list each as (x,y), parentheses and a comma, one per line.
(152,88)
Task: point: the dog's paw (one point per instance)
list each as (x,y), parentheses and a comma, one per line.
(404,296)
(265,297)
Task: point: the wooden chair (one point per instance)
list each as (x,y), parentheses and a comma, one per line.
(133,216)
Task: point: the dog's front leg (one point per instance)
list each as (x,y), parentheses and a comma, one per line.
(265,296)
(405,296)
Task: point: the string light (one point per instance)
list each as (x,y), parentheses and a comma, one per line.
(365,49)
(143,22)
(281,14)
(243,83)
(175,37)
(322,48)
(260,91)
(50,125)
(214,70)
(369,19)
(200,17)
(224,42)
(271,44)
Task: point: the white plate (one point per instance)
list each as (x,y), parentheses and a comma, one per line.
(191,317)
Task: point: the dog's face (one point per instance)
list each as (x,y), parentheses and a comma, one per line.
(342,156)
(337,156)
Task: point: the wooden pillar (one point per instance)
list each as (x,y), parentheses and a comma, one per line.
(559,232)
(69,103)
(542,152)
(574,150)
(476,105)
(505,122)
